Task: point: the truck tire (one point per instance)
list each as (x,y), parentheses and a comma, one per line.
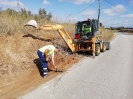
(108,47)
(103,47)
(97,49)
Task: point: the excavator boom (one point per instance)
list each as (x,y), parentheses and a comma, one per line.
(64,34)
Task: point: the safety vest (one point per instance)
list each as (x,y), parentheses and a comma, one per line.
(51,49)
(87,29)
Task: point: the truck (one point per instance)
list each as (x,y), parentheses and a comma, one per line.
(83,41)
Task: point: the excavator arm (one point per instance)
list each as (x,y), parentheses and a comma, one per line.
(59,28)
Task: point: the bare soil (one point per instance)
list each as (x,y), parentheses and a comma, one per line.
(20,68)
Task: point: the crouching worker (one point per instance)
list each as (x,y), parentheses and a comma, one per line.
(44,53)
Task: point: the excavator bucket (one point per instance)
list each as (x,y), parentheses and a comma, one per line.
(32,23)
(44,27)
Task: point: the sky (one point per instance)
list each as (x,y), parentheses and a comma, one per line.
(113,13)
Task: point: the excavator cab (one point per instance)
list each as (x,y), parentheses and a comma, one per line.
(86,29)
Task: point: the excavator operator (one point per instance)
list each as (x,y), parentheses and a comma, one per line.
(87,30)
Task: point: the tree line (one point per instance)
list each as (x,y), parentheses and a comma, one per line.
(23,13)
(120,28)
(12,21)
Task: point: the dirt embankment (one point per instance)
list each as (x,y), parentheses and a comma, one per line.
(20,67)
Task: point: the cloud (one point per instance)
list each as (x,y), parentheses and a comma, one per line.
(109,12)
(45,2)
(12,3)
(127,16)
(117,22)
(89,13)
(115,10)
(78,1)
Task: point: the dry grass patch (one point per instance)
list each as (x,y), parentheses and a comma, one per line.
(107,33)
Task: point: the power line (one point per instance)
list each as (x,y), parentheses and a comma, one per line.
(120,9)
(114,5)
(84,9)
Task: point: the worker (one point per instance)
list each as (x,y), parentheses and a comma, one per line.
(87,30)
(44,54)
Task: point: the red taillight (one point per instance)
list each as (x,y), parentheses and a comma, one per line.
(77,36)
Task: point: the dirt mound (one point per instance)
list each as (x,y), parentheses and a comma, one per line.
(19,64)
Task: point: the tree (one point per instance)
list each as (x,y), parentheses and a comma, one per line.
(11,12)
(49,16)
(42,13)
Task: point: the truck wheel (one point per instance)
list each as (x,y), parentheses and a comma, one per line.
(97,49)
(108,47)
(103,47)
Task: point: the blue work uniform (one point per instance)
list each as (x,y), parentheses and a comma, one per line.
(42,57)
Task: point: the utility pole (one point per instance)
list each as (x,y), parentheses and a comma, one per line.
(99,12)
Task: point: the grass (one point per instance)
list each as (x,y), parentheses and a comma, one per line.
(107,33)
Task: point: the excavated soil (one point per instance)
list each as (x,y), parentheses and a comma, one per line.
(20,68)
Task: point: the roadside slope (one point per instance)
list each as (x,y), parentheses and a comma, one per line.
(20,67)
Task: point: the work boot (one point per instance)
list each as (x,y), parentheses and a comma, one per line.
(44,74)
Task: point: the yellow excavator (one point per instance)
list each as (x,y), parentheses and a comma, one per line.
(82,42)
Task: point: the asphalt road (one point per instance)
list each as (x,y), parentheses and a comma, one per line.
(108,76)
